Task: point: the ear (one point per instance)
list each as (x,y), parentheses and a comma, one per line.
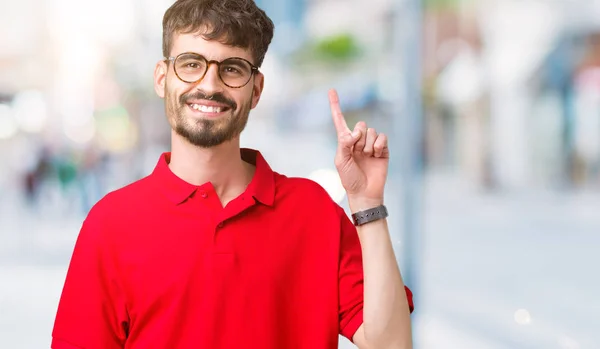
(160,76)
(257,88)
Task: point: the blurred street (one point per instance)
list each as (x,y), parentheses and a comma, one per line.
(511,279)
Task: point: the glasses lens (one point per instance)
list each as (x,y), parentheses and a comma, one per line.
(190,67)
(235,72)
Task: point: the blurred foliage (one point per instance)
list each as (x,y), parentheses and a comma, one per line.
(444,4)
(338,48)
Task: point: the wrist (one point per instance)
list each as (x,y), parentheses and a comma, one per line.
(369,215)
(361,203)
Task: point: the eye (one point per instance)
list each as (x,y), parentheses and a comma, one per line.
(232,70)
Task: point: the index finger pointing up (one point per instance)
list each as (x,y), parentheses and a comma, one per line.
(336,113)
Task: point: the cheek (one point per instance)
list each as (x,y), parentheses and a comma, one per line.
(172,94)
(250,94)
(174,87)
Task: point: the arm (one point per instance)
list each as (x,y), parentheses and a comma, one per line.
(386,309)
(91,313)
(362,160)
(356,278)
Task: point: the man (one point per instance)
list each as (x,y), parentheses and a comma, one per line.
(214,249)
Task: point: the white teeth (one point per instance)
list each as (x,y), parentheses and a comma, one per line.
(206,109)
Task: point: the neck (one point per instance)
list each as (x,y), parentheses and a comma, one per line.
(221,165)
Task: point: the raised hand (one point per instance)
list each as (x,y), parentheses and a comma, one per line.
(362,157)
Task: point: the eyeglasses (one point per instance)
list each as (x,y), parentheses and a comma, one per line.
(191,67)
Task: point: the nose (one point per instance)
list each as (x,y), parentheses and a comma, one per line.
(211,82)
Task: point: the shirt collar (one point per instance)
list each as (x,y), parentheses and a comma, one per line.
(262,186)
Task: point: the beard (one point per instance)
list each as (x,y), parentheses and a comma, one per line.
(207,133)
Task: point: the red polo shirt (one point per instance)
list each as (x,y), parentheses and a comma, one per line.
(161,264)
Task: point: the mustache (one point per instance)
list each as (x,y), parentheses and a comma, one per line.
(216,97)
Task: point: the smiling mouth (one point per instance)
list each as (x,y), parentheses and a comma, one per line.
(208,109)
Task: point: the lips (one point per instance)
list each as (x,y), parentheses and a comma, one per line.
(208,108)
(200,102)
(205,105)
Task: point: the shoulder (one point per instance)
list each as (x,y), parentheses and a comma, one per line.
(122,200)
(115,210)
(306,191)
(300,186)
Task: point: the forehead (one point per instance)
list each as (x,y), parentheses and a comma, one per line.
(211,49)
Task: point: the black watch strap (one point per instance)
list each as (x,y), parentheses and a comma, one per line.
(370,215)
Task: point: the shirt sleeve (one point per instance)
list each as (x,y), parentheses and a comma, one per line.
(91,312)
(409,298)
(351,280)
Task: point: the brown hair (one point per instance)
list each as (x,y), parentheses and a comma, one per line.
(238,23)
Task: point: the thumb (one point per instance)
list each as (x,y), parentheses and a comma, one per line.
(345,144)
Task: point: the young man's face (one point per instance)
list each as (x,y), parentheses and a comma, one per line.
(208,112)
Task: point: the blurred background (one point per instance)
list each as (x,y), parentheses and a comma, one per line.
(493,113)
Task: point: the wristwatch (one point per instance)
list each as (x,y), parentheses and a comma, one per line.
(370,215)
